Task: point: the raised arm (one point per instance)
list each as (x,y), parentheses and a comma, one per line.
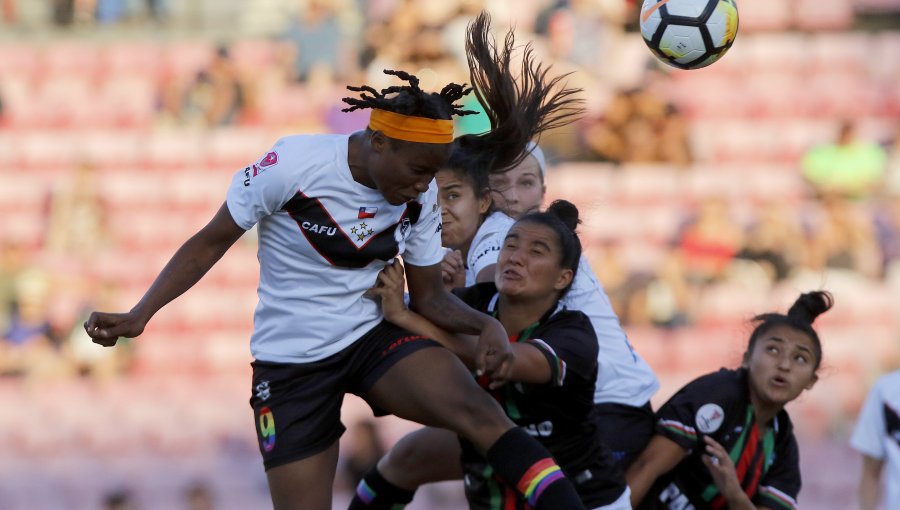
(195,257)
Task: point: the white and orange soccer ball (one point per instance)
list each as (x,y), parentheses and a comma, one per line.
(689,34)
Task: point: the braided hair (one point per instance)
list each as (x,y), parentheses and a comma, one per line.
(519,108)
(410,99)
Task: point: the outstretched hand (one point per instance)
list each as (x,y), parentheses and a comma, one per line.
(105,328)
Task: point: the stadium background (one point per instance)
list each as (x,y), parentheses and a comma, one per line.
(122,121)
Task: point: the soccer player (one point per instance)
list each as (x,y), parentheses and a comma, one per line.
(332,210)
(554,366)
(625,382)
(725,440)
(877,438)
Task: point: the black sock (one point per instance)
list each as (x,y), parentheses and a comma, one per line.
(374,492)
(524,464)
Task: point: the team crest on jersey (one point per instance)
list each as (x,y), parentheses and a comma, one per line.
(271,159)
(709,418)
(361,231)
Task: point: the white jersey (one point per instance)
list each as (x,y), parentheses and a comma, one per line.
(323,238)
(486,244)
(623,377)
(877,433)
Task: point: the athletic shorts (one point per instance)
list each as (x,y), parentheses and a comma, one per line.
(626,430)
(297,406)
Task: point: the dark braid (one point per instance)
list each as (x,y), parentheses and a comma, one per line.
(410,99)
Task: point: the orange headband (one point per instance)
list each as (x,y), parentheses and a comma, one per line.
(411,129)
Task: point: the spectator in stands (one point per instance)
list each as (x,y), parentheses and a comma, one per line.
(319,39)
(775,240)
(662,298)
(13,263)
(709,241)
(76,216)
(877,438)
(216,97)
(843,237)
(31,346)
(637,127)
(849,167)
(725,440)
(63,12)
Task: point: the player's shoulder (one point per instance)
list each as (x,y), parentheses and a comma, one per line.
(722,385)
(309,148)
(499,221)
(889,380)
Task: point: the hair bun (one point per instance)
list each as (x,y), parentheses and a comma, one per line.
(810,305)
(565,211)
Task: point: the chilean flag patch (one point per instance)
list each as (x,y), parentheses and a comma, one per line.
(367,212)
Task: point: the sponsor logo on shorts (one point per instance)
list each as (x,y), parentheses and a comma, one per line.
(263,392)
(401,341)
(266,429)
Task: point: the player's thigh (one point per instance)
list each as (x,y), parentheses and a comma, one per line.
(424,456)
(432,387)
(304,484)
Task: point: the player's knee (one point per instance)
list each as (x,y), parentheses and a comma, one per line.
(480,415)
(406,456)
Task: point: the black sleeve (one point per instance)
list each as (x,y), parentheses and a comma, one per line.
(477,296)
(569,343)
(780,486)
(698,408)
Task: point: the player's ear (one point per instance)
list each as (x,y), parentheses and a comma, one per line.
(812,381)
(379,142)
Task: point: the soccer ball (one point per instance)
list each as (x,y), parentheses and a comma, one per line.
(689,34)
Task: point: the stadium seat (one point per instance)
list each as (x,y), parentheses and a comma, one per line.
(818,15)
(765,15)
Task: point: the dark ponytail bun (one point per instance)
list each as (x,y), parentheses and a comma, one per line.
(810,305)
(566,212)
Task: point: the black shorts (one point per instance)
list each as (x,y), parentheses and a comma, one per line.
(626,430)
(297,406)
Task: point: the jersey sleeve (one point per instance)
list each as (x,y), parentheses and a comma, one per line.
(265,186)
(423,247)
(780,486)
(677,418)
(869,430)
(485,253)
(570,345)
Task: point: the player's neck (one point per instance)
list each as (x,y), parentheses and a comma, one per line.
(356,152)
(516,314)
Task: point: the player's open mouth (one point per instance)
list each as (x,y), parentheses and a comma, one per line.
(509,274)
(781,382)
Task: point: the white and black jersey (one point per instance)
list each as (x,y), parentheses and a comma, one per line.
(767,462)
(877,433)
(323,238)
(623,376)
(486,244)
